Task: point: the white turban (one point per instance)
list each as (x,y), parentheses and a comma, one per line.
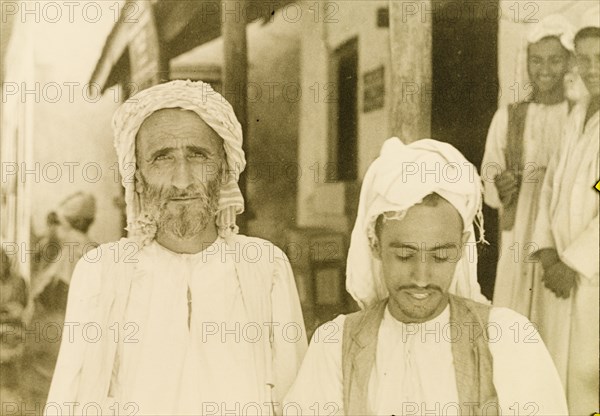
(398,179)
(80,205)
(553,25)
(211,107)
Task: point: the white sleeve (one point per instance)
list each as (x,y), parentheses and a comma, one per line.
(83,291)
(542,234)
(289,342)
(542,231)
(525,377)
(318,389)
(582,254)
(494,161)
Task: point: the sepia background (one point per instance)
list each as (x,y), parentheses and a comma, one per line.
(318,86)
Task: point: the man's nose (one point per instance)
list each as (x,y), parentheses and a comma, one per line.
(183,177)
(595,67)
(545,68)
(420,275)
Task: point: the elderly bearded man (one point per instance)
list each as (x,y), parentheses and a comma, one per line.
(194,319)
(415,349)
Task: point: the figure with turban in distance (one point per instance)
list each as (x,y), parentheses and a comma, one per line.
(426,341)
(521,141)
(567,233)
(57,253)
(13,299)
(196,317)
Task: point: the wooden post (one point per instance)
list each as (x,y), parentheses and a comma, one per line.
(410,40)
(235,76)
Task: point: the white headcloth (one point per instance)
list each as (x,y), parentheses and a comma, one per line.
(211,107)
(398,179)
(553,25)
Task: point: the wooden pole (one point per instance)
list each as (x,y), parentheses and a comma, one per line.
(410,41)
(235,76)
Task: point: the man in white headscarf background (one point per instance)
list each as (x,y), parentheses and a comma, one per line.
(567,233)
(424,342)
(194,318)
(66,242)
(519,145)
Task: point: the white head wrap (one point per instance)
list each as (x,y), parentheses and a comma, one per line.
(399,178)
(552,25)
(76,206)
(211,107)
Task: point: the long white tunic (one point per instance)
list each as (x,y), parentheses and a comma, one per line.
(568,222)
(414,371)
(164,367)
(174,369)
(515,273)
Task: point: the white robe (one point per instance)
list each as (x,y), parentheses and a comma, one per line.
(541,138)
(414,371)
(165,368)
(568,222)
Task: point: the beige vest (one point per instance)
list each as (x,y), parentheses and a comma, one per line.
(472,357)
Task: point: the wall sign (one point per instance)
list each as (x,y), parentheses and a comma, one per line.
(373,90)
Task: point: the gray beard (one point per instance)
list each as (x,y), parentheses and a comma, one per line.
(185,221)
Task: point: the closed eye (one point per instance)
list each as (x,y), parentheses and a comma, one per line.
(404,254)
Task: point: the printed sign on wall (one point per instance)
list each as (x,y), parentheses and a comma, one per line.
(374,90)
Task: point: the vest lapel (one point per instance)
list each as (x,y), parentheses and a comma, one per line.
(472,358)
(517,114)
(361,357)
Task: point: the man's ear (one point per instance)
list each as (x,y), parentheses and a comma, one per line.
(465,238)
(138,182)
(376,248)
(224,170)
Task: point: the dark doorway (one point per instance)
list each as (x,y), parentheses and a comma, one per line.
(344,146)
(464,95)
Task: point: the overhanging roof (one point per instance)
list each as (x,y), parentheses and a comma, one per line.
(181,25)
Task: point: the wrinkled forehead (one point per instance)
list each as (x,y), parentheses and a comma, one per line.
(169,123)
(174,116)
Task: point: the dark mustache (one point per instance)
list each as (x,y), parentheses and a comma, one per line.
(428,287)
(190,192)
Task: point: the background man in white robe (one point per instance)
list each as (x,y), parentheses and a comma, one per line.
(65,243)
(567,234)
(521,140)
(409,352)
(188,317)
